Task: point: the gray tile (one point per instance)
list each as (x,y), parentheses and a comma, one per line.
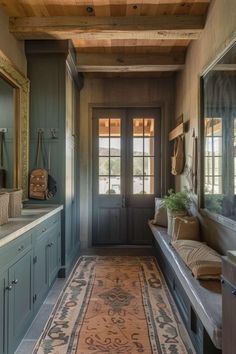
(26,347)
(39,322)
(55,292)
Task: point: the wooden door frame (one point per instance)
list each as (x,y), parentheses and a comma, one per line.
(164,186)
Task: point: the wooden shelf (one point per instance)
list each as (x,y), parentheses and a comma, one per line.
(179,130)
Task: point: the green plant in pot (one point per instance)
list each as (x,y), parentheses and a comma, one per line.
(177,204)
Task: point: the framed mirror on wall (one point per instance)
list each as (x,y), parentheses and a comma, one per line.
(218,137)
(14,126)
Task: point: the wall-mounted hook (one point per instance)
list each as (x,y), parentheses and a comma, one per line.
(54,133)
(40,130)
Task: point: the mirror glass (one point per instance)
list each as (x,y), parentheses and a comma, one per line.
(7,134)
(219,107)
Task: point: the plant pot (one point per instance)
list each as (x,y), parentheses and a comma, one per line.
(171,215)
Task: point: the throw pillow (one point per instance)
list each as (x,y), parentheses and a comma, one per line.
(203,261)
(160,217)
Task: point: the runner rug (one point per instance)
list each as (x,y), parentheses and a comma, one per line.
(114,305)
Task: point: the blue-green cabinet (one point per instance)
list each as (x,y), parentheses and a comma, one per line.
(53,259)
(47,259)
(3,312)
(40,269)
(54,97)
(28,268)
(20,300)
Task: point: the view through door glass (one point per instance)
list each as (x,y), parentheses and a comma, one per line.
(143,155)
(126,174)
(109,155)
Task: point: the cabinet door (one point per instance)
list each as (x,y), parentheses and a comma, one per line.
(20,300)
(40,261)
(3,312)
(53,255)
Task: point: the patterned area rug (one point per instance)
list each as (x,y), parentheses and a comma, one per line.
(114,305)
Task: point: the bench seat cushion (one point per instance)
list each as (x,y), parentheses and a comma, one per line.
(203,261)
(206,301)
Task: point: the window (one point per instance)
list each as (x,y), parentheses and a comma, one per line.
(213,156)
(219,95)
(143,156)
(109,155)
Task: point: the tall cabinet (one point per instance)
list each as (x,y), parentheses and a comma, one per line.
(54,97)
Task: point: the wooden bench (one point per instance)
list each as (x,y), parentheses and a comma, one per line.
(200,304)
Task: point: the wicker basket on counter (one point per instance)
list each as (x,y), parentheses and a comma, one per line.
(4,206)
(15,202)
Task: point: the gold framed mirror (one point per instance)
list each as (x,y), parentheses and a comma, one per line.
(16,85)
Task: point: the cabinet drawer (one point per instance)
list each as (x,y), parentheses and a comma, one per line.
(47,224)
(15,249)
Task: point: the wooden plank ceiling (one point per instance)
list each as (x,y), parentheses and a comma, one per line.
(114,36)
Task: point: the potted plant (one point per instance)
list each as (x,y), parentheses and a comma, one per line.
(177,204)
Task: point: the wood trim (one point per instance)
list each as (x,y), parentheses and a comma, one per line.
(22,86)
(122,59)
(179,130)
(126,68)
(123,27)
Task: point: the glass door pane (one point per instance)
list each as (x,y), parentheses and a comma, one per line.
(109,152)
(143,155)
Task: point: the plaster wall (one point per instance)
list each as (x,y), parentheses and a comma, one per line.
(219,33)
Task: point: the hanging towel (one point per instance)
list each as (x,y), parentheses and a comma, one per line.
(178,158)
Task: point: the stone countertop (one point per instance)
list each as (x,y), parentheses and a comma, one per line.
(31,216)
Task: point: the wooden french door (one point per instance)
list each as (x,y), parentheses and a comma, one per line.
(126,173)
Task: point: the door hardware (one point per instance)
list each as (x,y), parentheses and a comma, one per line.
(15,281)
(9,287)
(123,201)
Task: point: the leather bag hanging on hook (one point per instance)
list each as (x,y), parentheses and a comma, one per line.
(178,158)
(42,184)
(39,176)
(2,169)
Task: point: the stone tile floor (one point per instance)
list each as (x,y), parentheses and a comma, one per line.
(34,332)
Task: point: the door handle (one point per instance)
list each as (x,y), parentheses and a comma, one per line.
(123,201)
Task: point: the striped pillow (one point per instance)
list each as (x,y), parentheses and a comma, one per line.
(203,261)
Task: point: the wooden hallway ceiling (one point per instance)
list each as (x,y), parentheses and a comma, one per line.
(114,35)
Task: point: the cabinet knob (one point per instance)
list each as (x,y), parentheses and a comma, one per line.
(21,248)
(9,287)
(234,292)
(15,281)
(44,230)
